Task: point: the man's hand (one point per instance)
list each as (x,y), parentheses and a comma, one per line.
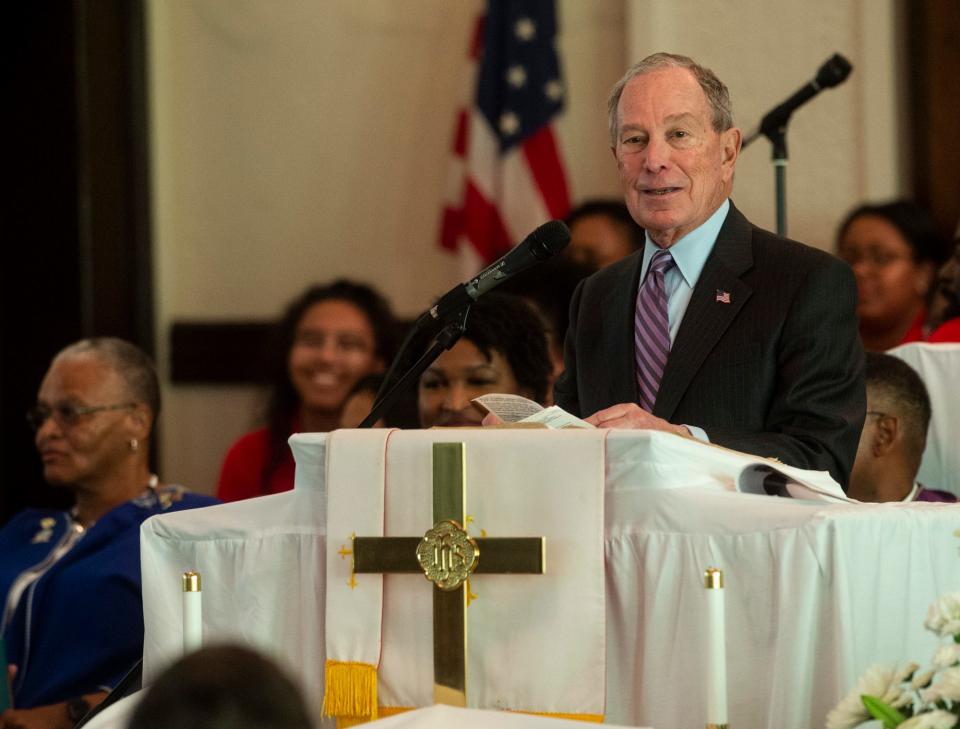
(629,415)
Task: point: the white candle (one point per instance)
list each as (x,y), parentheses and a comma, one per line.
(192,613)
(716,650)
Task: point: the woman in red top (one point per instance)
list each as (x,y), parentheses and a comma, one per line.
(330,337)
(894,251)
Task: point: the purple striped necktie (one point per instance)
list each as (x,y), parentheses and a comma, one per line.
(651,332)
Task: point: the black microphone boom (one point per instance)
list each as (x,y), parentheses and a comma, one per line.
(449,314)
(543,243)
(832,73)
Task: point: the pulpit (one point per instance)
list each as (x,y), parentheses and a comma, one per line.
(815,591)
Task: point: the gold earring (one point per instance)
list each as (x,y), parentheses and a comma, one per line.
(134,445)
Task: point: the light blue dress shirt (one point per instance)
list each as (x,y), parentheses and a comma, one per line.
(690,254)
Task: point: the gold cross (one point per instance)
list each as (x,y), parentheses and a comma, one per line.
(447,555)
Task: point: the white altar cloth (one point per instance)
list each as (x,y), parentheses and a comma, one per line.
(815,592)
(380,483)
(118,715)
(445,717)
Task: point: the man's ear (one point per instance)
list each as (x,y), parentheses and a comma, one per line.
(885,435)
(731,140)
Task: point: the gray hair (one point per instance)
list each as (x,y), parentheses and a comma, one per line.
(133,365)
(713,88)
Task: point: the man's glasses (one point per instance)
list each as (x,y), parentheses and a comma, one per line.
(67,414)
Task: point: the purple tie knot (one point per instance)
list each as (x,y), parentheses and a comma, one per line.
(661,261)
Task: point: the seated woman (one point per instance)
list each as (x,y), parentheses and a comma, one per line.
(70,581)
(894,250)
(330,337)
(504,349)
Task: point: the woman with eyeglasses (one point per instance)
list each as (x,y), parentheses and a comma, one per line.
(894,250)
(70,581)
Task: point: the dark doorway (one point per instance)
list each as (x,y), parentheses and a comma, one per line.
(76,223)
(933,67)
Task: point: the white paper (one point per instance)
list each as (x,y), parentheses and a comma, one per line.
(556,417)
(509,408)
(780,479)
(518,409)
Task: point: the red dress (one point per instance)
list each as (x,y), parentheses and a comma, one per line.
(915,332)
(240,475)
(949,331)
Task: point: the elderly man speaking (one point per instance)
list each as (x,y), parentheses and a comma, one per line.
(716,327)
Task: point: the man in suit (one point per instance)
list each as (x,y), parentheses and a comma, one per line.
(715,328)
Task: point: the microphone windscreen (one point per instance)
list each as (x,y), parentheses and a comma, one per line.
(833,72)
(549,239)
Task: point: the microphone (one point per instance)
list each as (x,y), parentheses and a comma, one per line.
(543,243)
(832,73)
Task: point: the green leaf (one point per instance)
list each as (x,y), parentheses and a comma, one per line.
(885,713)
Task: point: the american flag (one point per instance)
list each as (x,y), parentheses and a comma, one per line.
(723,297)
(507,175)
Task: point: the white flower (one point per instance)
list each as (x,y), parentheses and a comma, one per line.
(922,680)
(937,719)
(879,681)
(848,713)
(948,687)
(906,673)
(943,616)
(905,698)
(946,656)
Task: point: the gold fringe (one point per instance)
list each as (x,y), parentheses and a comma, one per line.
(350,692)
(386,711)
(345,722)
(593,718)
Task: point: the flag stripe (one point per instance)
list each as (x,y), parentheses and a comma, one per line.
(544,160)
(483,226)
(507,174)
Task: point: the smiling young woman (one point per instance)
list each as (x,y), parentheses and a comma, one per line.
(330,337)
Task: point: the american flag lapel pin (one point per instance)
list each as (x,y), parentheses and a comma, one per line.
(723,297)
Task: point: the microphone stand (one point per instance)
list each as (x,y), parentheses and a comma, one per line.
(779,157)
(453,328)
(774,128)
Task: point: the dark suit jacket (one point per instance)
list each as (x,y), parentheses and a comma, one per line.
(777,372)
